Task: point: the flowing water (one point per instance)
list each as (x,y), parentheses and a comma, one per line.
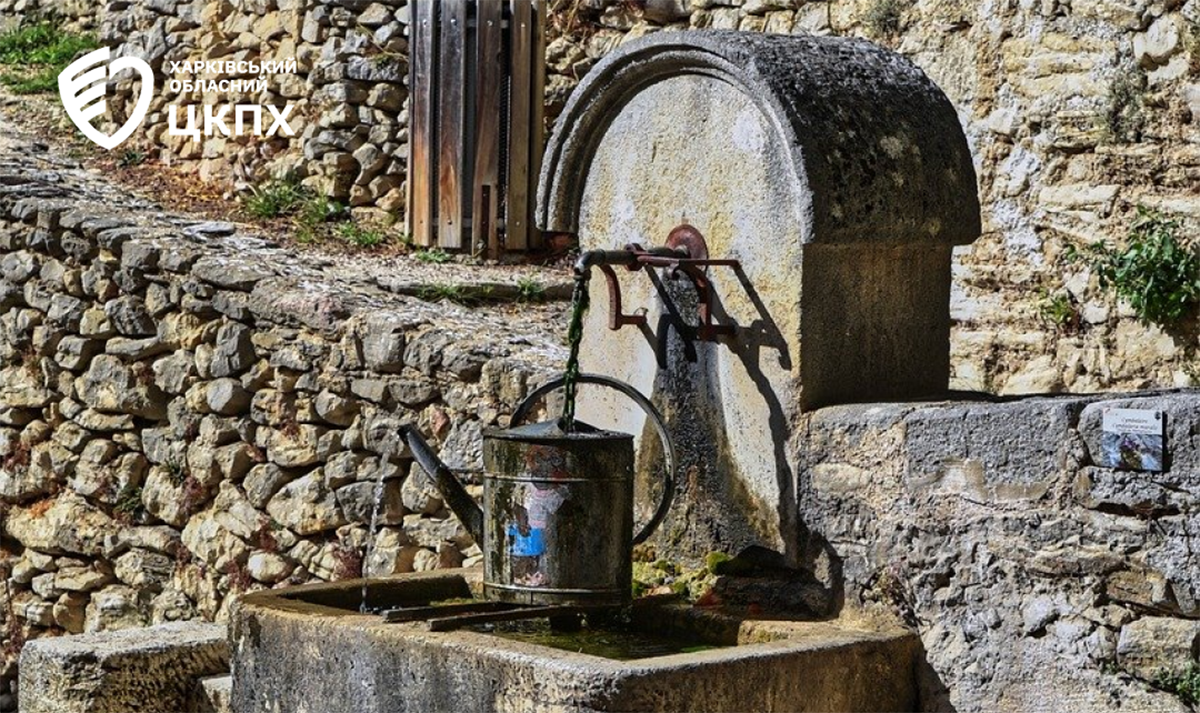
(369,547)
(579,307)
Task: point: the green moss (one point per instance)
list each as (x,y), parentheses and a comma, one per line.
(1184,684)
(1125,116)
(884,18)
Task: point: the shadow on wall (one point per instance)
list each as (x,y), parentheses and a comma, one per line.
(713,502)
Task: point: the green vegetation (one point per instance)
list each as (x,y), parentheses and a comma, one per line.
(132,157)
(129,502)
(445,291)
(1185,684)
(435,256)
(314,216)
(884,18)
(1059,310)
(1125,117)
(41,50)
(530,290)
(360,236)
(1156,273)
(275,198)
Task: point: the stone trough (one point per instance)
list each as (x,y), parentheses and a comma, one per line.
(308,649)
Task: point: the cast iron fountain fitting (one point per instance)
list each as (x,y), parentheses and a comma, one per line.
(686,253)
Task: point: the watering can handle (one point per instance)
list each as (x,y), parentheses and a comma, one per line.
(656,418)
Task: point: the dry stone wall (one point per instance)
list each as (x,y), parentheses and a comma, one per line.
(1078,112)
(345,86)
(188,412)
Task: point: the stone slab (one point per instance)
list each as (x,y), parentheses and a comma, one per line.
(299,655)
(148,670)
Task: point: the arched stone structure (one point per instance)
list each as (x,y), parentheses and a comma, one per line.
(838,175)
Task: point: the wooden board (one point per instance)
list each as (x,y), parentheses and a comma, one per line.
(537,119)
(520,89)
(451,122)
(421,164)
(489,34)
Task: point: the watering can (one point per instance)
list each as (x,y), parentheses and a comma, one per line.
(556,525)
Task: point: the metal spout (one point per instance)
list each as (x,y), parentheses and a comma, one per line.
(455,495)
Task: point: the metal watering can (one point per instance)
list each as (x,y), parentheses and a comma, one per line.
(556,526)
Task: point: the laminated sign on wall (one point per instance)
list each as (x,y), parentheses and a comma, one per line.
(1133,439)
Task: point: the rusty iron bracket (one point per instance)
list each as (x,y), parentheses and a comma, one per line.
(686,254)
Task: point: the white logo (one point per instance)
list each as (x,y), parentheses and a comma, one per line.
(83,84)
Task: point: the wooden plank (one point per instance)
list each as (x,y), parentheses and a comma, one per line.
(489,75)
(537,121)
(421,162)
(451,121)
(451,623)
(421,613)
(521,49)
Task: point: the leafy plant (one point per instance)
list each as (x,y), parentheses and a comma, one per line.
(442,291)
(1155,272)
(129,502)
(1060,310)
(360,236)
(43,50)
(314,212)
(1184,684)
(435,256)
(530,290)
(275,198)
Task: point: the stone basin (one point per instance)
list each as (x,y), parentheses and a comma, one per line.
(308,650)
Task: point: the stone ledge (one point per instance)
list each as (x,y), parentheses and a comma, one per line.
(121,671)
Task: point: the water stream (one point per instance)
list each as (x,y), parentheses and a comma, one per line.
(369,548)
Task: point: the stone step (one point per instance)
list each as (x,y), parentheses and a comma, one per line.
(212,695)
(122,670)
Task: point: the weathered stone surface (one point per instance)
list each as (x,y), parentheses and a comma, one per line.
(121,670)
(1152,647)
(306,506)
(109,386)
(69,525)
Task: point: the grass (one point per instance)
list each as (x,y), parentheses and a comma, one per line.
(360,236)
(1184,684)
(530,290)
(276,198)
(314,216)
(1156,272)
(434,256)
(41,50)
(443,291)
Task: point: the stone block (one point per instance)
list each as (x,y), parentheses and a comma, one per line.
(1153,646)
(153,668)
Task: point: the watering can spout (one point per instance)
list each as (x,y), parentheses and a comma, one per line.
(455,495)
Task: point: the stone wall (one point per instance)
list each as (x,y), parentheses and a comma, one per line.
(1077,111)
(187,412)
(347,92)
(1037,580)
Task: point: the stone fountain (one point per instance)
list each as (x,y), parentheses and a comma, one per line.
(826,181)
